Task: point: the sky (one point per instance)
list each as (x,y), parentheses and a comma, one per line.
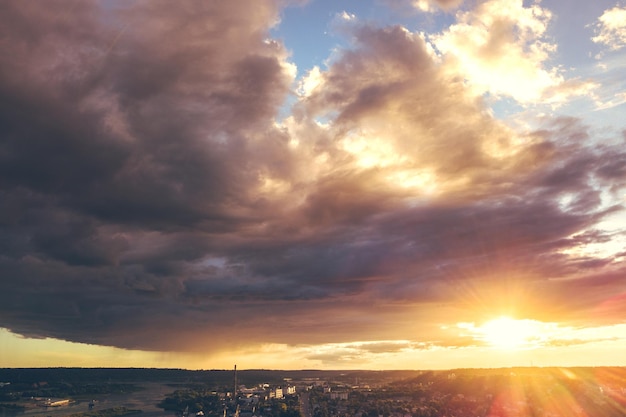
(372,184)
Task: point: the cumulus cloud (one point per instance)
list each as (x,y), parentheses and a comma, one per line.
(611,28)
(501,47)
(150,198)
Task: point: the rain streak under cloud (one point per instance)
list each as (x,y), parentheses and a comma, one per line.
(172,180)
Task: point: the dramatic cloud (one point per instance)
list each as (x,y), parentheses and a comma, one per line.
(130,143)
(153,196)
(501,47)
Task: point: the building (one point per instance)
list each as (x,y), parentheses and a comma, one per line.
(339,395)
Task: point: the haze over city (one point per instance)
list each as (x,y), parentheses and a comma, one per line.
(292,184)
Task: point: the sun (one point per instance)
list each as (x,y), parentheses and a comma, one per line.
(512,334)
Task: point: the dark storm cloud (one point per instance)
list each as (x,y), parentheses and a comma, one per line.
(149,200)
(121,129)
(134,133)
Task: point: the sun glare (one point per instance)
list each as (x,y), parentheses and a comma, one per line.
(508,333)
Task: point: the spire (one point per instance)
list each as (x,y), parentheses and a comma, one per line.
(235,387)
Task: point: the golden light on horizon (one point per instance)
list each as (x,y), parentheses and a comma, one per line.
(507,333)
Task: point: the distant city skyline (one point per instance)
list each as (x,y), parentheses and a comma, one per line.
(293,184)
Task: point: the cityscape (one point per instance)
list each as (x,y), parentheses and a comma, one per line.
(519,392)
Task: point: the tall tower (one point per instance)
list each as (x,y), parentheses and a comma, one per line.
(235,387)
